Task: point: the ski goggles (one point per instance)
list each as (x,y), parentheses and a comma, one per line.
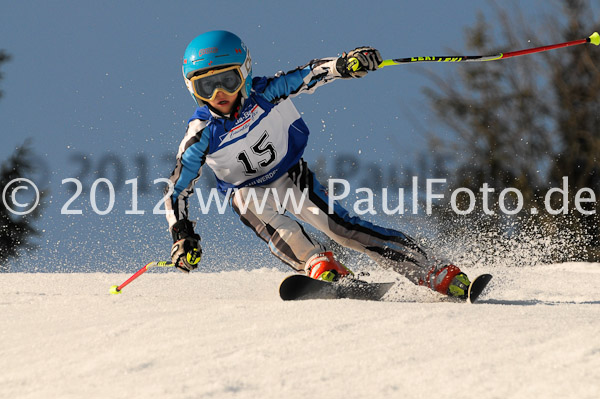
(228,80)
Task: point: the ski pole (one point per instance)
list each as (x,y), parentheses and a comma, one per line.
(594,39)
(116,289)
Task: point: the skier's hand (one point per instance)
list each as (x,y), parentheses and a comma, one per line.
(356,63)
(186,251)
(186,254)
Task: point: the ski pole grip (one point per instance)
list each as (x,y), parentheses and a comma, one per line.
(353,64)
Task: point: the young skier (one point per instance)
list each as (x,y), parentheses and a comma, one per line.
(250,134)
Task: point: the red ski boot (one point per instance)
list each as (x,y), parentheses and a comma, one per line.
(448,280)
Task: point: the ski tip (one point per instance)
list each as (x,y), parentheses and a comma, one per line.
(595,38)
(114,290)
(477,286)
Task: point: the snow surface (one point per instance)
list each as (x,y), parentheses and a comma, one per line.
(535,334)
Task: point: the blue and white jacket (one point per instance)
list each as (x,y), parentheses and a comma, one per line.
(266,139)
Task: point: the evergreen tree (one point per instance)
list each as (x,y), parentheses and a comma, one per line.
(15,231)
(525,123)
(575,78)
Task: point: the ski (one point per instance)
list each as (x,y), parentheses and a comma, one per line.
(477,286)
(301,287)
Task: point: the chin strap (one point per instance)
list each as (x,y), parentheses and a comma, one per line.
(236,107)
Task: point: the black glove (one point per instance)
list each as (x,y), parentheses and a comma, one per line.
(358,62)
(186,251)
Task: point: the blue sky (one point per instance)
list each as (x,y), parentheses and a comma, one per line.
(98,85)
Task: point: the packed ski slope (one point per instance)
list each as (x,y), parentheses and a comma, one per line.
(535,334)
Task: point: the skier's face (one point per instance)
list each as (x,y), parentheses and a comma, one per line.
(224,102)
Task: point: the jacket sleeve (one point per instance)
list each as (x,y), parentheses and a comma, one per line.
(304,79)
(190,158)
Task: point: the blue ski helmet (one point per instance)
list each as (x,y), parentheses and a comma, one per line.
(218,49)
